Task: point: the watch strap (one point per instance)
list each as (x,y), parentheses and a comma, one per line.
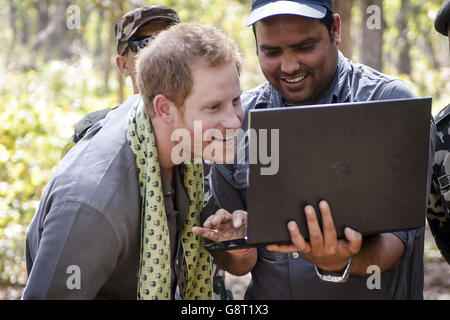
(338,277)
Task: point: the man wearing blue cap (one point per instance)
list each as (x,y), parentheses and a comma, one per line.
(442,21)
(438,213)
(297,45)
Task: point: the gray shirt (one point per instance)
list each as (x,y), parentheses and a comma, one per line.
(88,221)
(291,276)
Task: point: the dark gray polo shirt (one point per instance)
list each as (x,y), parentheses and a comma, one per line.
(89,217)
(291,276)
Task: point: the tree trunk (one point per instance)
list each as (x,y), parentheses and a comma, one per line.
(109,50)
(99,42)
(25,36)
(54,35)
(12,22)
(113,10)
(43,14)
(429,50)
(120,93)
(372,34)
(404,60)
(42,8)
(344,9)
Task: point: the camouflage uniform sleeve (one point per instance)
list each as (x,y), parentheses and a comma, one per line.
(438,212)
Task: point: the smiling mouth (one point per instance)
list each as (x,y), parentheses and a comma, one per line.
(225,140)
(295,80)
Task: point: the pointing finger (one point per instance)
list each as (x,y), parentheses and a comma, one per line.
(239,218)
(206,233)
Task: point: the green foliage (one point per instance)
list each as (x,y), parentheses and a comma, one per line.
(429,50)
(37,111)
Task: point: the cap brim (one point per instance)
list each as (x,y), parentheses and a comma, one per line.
(150,19)
(442,19)
(309,10)
(121,43)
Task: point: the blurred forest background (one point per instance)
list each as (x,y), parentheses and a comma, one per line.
(57,63)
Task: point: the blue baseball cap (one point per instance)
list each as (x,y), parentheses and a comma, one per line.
(443,19)
(316,9)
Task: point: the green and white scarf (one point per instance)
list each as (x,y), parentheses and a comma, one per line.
(155,266)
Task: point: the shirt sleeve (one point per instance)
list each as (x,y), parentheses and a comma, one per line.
(76,254)
(395,89)
(227,194)
(438,213)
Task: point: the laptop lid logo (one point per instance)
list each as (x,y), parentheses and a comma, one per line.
(341,168)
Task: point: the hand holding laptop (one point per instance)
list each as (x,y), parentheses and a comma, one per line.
(324,249)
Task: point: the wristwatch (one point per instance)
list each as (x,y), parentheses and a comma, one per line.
(338,277)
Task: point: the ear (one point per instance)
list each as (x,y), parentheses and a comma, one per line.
(164,108)
(123,66)
(336,29)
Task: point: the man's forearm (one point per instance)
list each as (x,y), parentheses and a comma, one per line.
(237,265)
(383,250)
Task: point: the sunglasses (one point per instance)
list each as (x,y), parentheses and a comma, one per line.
(136,44)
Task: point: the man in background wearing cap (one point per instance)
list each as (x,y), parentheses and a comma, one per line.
(133,32)
(297,45)
(438,214)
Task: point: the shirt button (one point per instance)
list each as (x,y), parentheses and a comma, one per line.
(295,255)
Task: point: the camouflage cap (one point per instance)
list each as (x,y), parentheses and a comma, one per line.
(130,23)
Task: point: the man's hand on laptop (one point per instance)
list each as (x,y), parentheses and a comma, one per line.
(323,249)
(223,226)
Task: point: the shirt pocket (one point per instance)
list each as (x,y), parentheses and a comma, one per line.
(240,176)
(443,181)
